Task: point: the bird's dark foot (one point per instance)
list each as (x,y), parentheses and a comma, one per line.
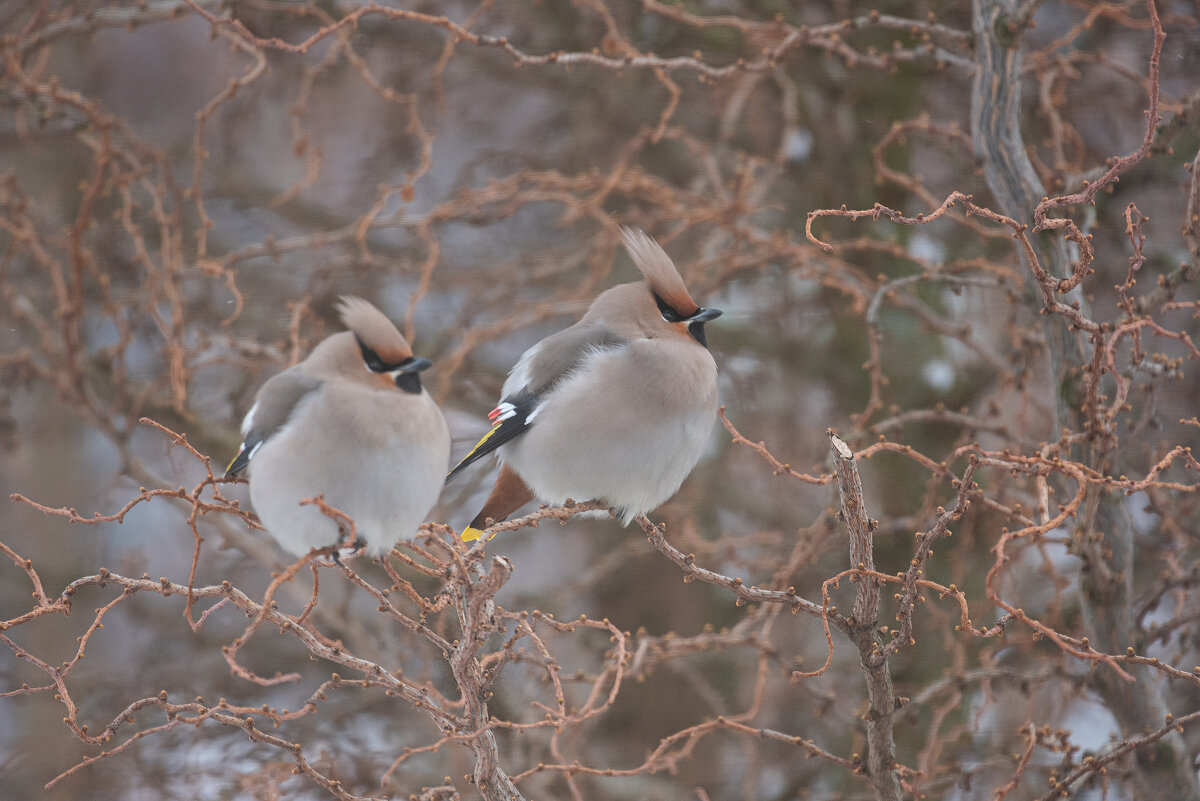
(348,552)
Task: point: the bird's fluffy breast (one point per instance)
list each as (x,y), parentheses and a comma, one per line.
(627,426)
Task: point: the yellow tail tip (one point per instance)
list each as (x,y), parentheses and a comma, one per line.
(470,534)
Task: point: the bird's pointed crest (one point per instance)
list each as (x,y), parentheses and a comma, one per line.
(659,271)
(374,329)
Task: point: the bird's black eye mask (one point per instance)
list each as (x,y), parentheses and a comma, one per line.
(403,372)
(372,359)
(695,320)
(667,311)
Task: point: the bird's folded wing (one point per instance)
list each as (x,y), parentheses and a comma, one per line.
(276,402)
(534,378)
(559,355)
(511,417)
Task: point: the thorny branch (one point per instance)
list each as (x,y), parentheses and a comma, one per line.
(881,747)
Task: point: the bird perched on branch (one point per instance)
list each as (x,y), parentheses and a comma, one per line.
(616,408)
(351,422)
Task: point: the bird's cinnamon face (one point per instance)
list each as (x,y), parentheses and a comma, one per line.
(384,350)
(402,374)
(690,323)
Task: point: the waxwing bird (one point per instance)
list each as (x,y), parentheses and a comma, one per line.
(351,422)
(616,408)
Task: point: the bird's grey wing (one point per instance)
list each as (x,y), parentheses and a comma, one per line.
(560,354)
(273,407)
(535,374)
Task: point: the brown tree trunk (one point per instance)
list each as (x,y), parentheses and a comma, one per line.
(1105,534)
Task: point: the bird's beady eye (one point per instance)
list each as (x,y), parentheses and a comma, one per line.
(668,314)
(371,358)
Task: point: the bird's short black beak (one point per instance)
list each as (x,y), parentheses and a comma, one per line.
(405,374)
(414,365)
(696,324)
